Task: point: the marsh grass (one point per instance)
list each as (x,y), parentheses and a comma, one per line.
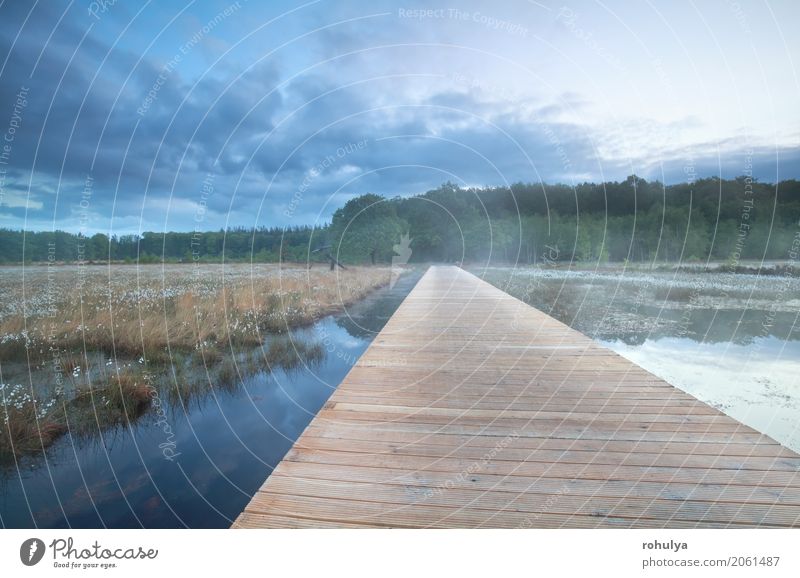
(288,354)
(232,325)
(97,398)
(178,312)
(24,432)
(31,424)
(229,370)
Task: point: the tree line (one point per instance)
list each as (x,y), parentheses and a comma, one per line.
(632,220)
(236,244)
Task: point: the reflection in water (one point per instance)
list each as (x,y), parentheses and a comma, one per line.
(366,319)
(195,460)
(732,341)
(757,383)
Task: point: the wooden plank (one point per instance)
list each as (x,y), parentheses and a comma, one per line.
(532,502)
(750,438)
(472,409)
(360,511)
(575,456)
(660,473)
(438,481)
(403,438)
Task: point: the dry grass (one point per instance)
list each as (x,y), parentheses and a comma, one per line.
(137,311)
(24,432)
(31,425)
(214,370)
(71,322)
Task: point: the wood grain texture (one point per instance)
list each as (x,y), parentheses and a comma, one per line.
(472,409)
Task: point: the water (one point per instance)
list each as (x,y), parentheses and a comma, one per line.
(194,465)
(732,341)
(755,383)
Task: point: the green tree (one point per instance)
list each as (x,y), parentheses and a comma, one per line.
(366,229)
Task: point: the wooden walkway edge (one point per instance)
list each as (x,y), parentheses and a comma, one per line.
(473,409)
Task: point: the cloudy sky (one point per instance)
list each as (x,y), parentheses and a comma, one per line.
(132,116)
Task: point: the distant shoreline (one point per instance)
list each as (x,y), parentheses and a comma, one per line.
(744,267)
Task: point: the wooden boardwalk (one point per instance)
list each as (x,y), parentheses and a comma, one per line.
(472,409)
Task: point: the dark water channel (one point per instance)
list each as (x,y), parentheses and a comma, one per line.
(193,463)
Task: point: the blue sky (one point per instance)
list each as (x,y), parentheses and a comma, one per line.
(176,116)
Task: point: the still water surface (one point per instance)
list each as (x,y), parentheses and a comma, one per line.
(222,448)
(731,340)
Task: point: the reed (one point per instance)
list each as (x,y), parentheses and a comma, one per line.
(153,312)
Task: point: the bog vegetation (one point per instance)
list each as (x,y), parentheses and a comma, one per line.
(85,348)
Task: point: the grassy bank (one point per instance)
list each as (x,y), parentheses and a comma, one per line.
(87,342)
(144,311)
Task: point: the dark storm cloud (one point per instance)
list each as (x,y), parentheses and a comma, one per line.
(85,114)
(276,133)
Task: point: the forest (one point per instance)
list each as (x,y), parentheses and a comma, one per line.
(630,220)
